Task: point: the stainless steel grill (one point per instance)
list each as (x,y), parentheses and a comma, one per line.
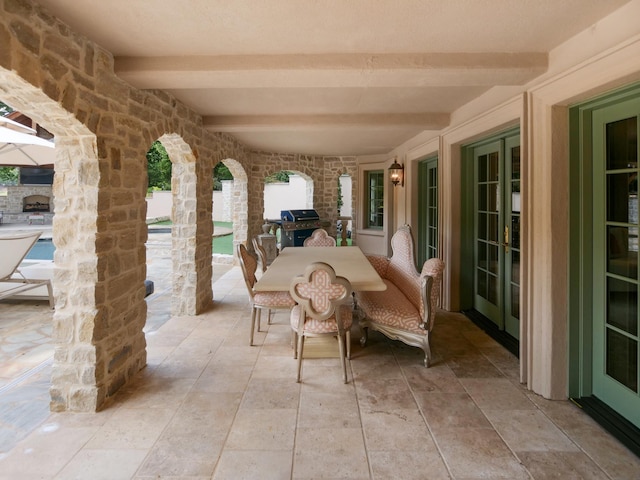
(297,225)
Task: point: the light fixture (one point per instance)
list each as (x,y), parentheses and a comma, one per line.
(396,173)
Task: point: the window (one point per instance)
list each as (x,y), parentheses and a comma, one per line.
(375,199)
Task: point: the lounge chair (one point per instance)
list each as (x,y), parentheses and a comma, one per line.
(12,282)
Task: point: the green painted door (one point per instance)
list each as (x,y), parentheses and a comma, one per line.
(427,210)
(615,257)
(496,216)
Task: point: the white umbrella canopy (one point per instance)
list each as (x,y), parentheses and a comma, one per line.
(19,149)
(16,125)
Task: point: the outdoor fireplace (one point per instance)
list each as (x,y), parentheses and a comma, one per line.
(35,203)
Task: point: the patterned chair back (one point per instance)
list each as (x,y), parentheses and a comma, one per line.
(249,265)
(319,238)
(319,291)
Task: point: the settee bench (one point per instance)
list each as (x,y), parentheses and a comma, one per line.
(406,310)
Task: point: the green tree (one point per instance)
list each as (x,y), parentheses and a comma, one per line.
(9,175)
(220,172)
(281,176)
(4,109)
(158,167)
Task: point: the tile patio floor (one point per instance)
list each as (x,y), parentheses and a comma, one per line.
(209,406)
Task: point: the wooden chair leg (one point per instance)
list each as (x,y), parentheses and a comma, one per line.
(300,351)
(294,343)
(348,342)
(253,324)
(341,347)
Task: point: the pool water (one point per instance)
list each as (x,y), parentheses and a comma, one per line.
(42,250)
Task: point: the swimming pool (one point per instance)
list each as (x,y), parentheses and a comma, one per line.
(42,250)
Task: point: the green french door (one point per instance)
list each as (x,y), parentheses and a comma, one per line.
(496,218)
(615,306)
(427,210)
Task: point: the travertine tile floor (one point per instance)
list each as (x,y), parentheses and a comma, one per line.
(209,406)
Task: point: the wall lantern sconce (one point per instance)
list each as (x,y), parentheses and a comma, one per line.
(396,172)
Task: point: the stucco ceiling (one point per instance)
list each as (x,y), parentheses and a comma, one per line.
(328,77)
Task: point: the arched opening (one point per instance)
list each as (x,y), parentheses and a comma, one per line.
(223,206)
(158,246)
(76,260)
(345,209)
(238,199)
(184,299)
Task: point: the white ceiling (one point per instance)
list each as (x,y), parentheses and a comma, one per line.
(328,77)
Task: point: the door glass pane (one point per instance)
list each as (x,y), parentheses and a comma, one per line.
(515,232)
(493,167)
(622,305)
(622,359)
(493,227)
(482,168)
(622,197)
(482,226)
(493,289)
(482,255)
(622,251)
(493,259)
(515,267)
(515,301)
(622,147)
(482,198)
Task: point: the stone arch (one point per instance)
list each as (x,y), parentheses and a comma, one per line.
(239,201)
(184,216)
(79,334)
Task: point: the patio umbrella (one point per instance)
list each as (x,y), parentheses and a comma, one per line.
(15,125)
(19,149)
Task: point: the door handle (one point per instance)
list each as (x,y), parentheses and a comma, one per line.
(506,239)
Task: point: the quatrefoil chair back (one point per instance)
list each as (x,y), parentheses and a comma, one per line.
(324,309)
(259,300)
(319,238)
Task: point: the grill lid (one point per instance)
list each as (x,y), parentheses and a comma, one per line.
(299,215)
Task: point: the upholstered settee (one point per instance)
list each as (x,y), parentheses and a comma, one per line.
(406,310)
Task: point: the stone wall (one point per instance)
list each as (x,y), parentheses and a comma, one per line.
(323,171)
(12,202)
(103,128)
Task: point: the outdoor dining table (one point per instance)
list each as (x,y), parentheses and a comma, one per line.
(348,262)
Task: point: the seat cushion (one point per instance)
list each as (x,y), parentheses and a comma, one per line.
(322,326)
(391,307)
(273,299)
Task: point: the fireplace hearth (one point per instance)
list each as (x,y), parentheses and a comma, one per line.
(35,203)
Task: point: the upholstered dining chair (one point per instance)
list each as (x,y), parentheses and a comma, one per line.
(323,309)
(260,300)
(262,254)
(319,238)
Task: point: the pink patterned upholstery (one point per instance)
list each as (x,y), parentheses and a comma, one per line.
(273,299)
(407,308)
(321,309)
(380,264)
(322,326)
(320,291)
(259,300)
(319,238)
(391,307)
